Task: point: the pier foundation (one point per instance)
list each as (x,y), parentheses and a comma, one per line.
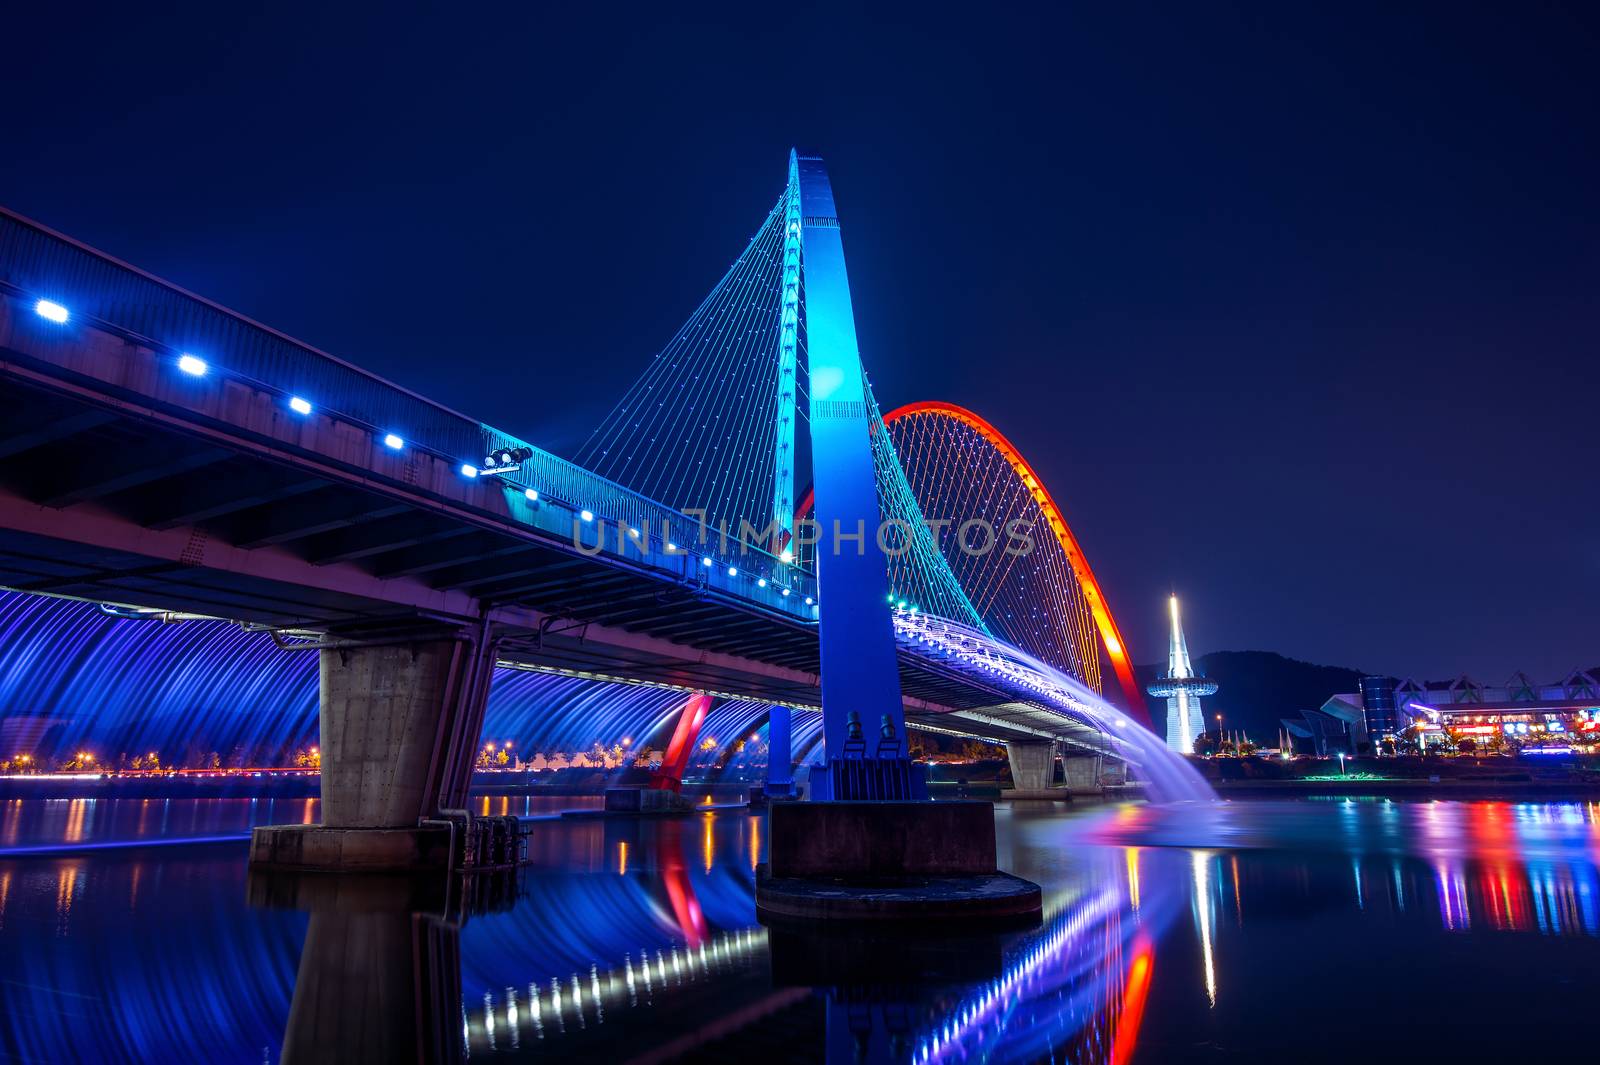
(1033,769)
(399,728)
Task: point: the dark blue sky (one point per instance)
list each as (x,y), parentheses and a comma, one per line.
(1295,311)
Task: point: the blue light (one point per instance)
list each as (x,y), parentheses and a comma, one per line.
(298,405)
(532,496)
(393,442)
(586,515)
(52,311)
(468,470)
(189,364)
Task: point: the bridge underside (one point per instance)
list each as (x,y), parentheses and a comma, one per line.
(99,502)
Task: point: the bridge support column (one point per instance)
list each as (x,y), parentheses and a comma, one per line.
(780,753)
(1083,773)
(1033,767)
(399,728)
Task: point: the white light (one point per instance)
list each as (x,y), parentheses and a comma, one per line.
(733,571)
(786,591)
(671,547)
(393,442)
(705,562)
(192,366)
(533,496)
(634,533)
(786,555)
(298,405)
(51,310)
(468,470)
(762,583)
(809,600)
(586,515)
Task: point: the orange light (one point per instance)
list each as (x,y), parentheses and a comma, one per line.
(1109,634)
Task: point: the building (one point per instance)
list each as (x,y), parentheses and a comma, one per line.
(1182,690)
(1519,715)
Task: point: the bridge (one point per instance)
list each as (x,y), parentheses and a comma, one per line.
(163,453)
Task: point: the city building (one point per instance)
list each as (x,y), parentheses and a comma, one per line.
(1182,689)
(1519,715)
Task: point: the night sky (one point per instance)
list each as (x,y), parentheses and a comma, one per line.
(1295,312)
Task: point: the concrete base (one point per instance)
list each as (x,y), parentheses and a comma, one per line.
(1037,794)
(882,839)
(994,897)
(647,801)
(350,849)
(888,861)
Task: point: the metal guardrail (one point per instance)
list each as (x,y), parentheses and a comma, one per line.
(39,263)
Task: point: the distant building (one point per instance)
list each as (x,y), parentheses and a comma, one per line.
(1520,713)
(1182,690)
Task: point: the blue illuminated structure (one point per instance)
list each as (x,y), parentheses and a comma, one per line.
(859,673)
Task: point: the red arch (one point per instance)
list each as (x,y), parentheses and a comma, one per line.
(1110,635)
(1116,649)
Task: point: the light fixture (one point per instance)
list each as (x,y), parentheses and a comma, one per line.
(671,547)
(786,555)
(762,583)
(733,571)
(586,515)
(532,495)
(468,470)
(786,591)
(189,364)
(506,459)
(809,600)
(298,405)
(705,561)
(393,442)
(51,311)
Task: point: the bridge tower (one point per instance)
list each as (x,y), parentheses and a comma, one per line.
(859,669)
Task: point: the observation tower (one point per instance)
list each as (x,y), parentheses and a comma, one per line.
(1182,690)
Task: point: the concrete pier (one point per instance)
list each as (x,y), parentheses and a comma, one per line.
(399,729)
(888,861)
(1033,769)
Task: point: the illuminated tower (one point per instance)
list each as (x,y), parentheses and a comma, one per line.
(1182,690)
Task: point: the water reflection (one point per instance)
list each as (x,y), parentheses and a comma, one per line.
(1167,934)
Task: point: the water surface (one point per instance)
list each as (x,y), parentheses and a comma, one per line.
(1198,932)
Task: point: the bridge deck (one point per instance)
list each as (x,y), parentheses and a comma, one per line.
(125,480)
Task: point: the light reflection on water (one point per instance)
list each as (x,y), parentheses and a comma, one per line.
(1188,932)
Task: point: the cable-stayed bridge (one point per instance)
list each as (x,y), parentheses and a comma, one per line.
(745,522)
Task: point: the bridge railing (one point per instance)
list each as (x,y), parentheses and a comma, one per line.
(36,262)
